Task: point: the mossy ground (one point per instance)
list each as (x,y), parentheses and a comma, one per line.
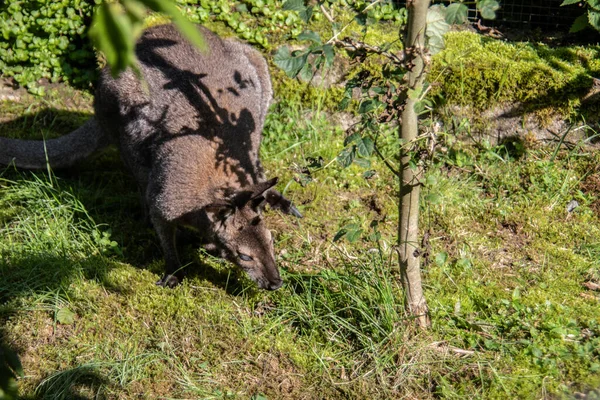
(503,277)
(480,72)
(504,270)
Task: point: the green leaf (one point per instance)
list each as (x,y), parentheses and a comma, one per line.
(352,138)
(306,73)
(595,4)
(353,236)
(294,5)
(488,8)
(594,19)
(362,162)
(290,64)
(306,14)
(329,55)
(135,10)
(351,232)
(112,33)
(369,174)
(441,258)
(580,24)
(368,106)
(365,147)
(567,2)
(346,157)
(311,36)
(431,181)
(436,28)
(340,234)
(65,316)
(433,198)
(457,13)
(187,28)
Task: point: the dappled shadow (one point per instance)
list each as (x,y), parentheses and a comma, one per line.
(583,88)
(104,187)
(83,382)
(189,101)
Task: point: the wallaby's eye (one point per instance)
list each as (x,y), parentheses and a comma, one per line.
(245,257)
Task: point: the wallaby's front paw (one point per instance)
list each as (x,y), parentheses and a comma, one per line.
(169,281)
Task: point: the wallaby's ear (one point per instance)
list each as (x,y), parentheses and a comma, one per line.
(253,195)
(259,189)
(277,201)
(220,210)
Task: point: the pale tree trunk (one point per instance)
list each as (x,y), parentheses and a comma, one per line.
(408,227)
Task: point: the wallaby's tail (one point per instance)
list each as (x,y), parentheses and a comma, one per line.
(59,153)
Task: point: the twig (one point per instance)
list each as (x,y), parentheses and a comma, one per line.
(326,14)
(354,45)
(386,162)
(335,36)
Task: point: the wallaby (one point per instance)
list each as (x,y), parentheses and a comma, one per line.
(189,131)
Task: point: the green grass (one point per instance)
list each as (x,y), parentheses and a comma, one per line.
(503,275)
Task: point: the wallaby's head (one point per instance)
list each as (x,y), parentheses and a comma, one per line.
(242,236)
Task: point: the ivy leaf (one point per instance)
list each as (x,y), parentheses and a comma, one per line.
(290,64)
(294,5)
(567,2)
(436,28)
(457,13)
(488,8)
(65,316)
(311,36)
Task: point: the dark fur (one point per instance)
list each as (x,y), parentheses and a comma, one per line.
(190,133)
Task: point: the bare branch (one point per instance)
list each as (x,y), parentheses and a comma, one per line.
(348,43)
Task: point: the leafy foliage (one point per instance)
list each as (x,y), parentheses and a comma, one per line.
(117,26)
(46,40)
(591,19)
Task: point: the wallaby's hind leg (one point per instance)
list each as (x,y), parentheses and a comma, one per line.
(167,234)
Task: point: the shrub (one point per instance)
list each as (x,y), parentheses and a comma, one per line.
(46,39)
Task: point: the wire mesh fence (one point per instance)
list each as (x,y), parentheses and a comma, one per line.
(525,14)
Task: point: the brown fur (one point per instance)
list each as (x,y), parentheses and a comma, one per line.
(190,133)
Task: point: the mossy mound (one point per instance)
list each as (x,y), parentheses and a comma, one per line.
(481,72)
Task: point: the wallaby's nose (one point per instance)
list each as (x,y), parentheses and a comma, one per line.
(274,285)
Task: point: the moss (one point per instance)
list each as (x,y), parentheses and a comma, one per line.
(296,92)
(480,72)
